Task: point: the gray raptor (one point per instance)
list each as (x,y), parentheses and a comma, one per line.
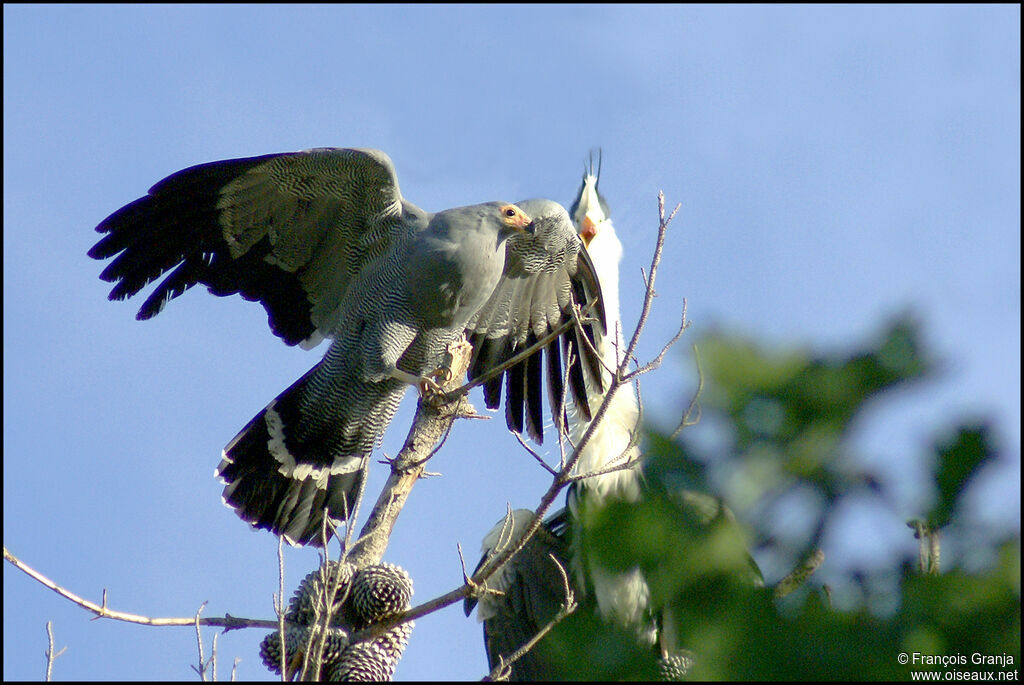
(324,240)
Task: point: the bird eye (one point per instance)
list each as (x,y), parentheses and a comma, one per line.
(510,212)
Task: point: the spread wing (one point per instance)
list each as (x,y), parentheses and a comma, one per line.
(545,275)
(289,230)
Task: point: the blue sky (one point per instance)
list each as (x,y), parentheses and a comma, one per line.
(835,165)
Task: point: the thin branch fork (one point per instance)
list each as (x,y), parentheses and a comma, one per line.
(663,223)
(51,656)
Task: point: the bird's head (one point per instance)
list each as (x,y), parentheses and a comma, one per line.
(497,220)
(515,219)
(589,210)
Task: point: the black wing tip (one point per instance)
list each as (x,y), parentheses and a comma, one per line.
(100,250)
(577,385)
(515,398)
(534,394)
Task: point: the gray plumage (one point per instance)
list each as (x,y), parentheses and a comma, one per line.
(324,240)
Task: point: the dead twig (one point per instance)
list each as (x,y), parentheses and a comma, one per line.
(929,547)
(279,603)
(228,622)
(656,362)
(688,418)
(533,453)
(201,670)
(51,656)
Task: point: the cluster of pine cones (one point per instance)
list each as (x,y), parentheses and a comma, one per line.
(354,600)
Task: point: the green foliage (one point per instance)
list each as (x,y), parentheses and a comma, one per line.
(959,458)
(743,636)
(794,408)
(786,419)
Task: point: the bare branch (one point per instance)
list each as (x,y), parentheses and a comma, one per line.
(228,622)
(330,586)
(462,561)
(51,656)
(613,468)
(688,419)
(663,223)
(279,603)
(656,362)
(213,656)
(929,547)
(199,640)
(533,453)
(434,416)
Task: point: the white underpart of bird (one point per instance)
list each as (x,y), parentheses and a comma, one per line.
(621,597)
(611,443)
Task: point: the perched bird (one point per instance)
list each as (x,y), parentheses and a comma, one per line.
(622,596)
(324,240)
(531,586)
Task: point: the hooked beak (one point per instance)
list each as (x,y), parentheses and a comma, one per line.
(588,230)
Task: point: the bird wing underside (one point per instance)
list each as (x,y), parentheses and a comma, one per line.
(289,230)
(546,275)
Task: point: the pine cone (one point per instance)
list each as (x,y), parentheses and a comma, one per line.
(675,666)
(308,601)
(380,591)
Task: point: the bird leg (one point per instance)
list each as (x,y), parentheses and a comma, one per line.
(429,385)
(426,383)
(456,353)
